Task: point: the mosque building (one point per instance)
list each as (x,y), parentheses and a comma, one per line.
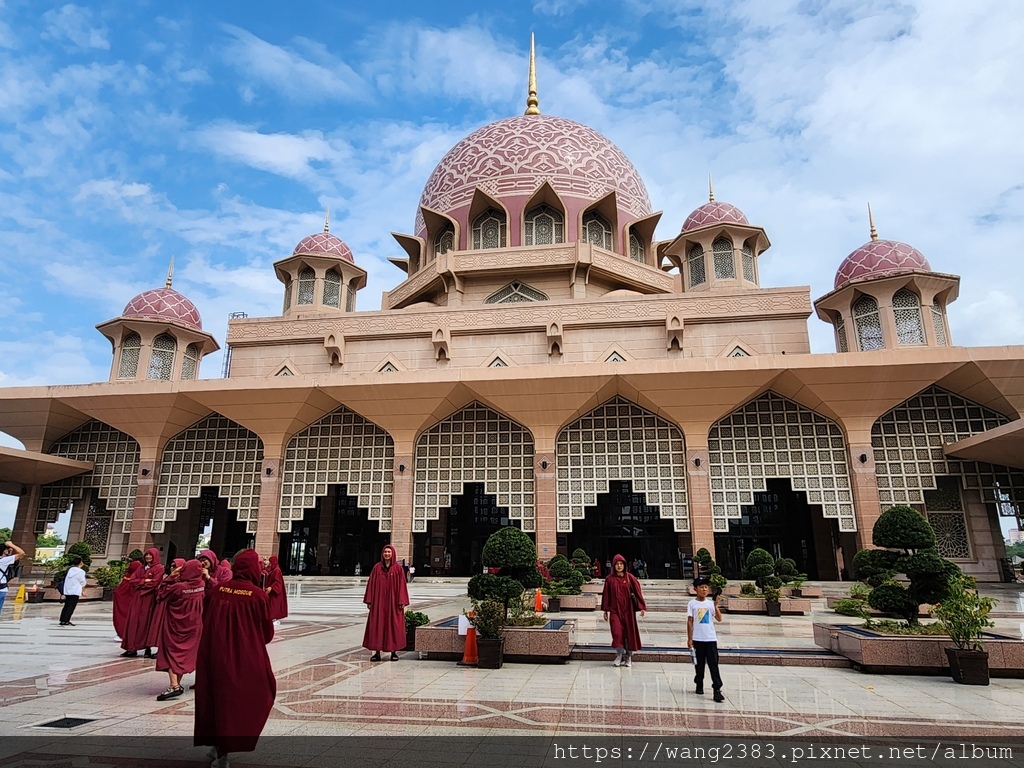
(545,362)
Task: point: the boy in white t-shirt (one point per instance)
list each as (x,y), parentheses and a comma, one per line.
(701,615)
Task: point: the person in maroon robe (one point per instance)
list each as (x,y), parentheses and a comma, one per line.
(223,574)
(124,593)
(276,591)
(235,685)
(617,602)
(157,624)
(140,630)
(182,626)
(386,596)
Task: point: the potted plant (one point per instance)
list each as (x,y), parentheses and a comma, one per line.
(489,619)
(796,583)
(963,614)
(413,619)
(748,589)
(109,576)
(772,601)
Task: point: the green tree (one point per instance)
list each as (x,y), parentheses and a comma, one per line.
(6,535)
(49,540)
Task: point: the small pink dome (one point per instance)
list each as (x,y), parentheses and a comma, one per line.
(164,304)
(323,244)
(877,258)
(714,213)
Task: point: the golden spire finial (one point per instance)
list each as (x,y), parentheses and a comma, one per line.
(532,103)
(327,221)
(170,273)
(871,221)
(711,190)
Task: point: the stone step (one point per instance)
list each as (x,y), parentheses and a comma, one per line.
(777,657)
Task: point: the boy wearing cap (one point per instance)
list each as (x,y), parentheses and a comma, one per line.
(701,613)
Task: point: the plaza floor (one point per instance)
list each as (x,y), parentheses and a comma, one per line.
(327,687)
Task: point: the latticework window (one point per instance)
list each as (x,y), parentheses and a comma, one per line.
(286,371)
(128,365)
(498,363)
(544,226)
(332,288)
(906,311)
(725,266)
(619,440)
(342,448)
(738,352)
(747,257)
(773,437)
(597,230)
(307,286)
(615,357)
(842,344)
(636,247)
(214,451)
(940,325)
(287,293)
(190,363)
(474,445)
(97,527)
(695,261)
(161,357)
(515,292)
(388,367)
(945,512)
(115,458)
(445,240)
(489,229)
(350,298)
(867,324)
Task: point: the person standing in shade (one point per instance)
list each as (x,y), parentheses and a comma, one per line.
(181,626)
(74,583)
(386,596)
(12,553)
(140,631)
(701,615)
(223,573)
(276,591)
(620,600)
(124,593)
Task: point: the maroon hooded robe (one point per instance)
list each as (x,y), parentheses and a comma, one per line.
(223,571)
(235,685)
(182,622)
(140,631)
(124,593)
(278,594)
(387,596)
(621,616)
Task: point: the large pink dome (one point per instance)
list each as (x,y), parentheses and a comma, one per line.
(714,213)
(514,156)
(164,304)
(880,257)
(323,244)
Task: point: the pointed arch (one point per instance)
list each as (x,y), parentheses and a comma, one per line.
(868,324)
(131,349)
(332,288)
(307,286)
(515,292)
(161,358)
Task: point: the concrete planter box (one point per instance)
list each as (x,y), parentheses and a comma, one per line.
(593,587)
(790,605)
(441,640)
(805,591)
(51,595)
(914,655)
(924,613)
(585,602)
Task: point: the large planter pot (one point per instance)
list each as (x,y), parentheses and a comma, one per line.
(774,609)
(410,638)
(968,667)
(490,652)
(34,596)
(554,605)
(108,594)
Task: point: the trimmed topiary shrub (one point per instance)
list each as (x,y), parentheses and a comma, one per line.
(489,586)
(705,563)
(559,567)
(509,547)
(785,569)
(581,562)
(874,566)
(760,566)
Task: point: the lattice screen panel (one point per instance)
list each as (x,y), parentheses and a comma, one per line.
(97,528)
(214,451)
(474,445)
(619,440)
(774,437)
(115,456)
(908,443)
(341,448)
(945,511)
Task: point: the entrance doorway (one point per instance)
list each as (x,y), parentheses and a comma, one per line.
(622,523)
(207,523)
(472,517)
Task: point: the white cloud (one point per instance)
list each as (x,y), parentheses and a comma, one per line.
(291,156)
(74,24)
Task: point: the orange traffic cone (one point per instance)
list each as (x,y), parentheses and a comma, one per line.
(470,656)
(538,604)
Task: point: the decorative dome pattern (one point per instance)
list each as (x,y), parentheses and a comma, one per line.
(714,213)
(164,304)
(516,155)
(877,258)
(323,244)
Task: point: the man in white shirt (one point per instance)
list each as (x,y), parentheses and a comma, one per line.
(74,583)
(701,615)
(11,554)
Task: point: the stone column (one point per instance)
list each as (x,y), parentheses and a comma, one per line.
(698,496)
(545,503)
(865,494)
(23,532)
(141,536)
(267,538)
(403,475)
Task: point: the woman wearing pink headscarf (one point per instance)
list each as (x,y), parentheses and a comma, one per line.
(276,591)
(181,626)
(140,630)
(386,596)
(124,593)
(620,600)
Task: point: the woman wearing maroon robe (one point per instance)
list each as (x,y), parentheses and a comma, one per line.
(224,571)
(235,685)
(276,591)
(620,611)
(386,595)
(157,624)
(140,631)
(124,593)
(182,626)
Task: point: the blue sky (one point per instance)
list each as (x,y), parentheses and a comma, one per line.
(217,134)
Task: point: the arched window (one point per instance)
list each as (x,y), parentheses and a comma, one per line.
(287,293)
(190,364)
(906,311)
(332,288)
(867,324)
(515,292)
(695,262)
(940,325)
(747,257)
(597,230)
(841,343)
(725,267)
(128,367)
(636,247)
(445,241)
(161,360)
(307,282)
(489,229)
(544,226)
